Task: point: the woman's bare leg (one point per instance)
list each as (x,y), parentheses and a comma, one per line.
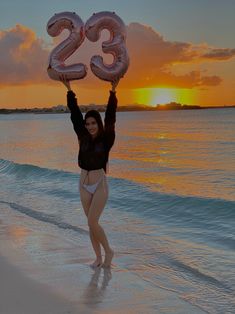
(96,208)
(86,199)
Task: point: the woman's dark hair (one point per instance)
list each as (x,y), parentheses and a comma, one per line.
(96,115)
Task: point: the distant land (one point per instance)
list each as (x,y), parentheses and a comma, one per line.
(101,108)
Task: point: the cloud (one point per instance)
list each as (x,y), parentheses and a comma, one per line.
(153,57)
(24,59)
(219,54)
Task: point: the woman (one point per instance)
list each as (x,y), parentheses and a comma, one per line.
(95,142)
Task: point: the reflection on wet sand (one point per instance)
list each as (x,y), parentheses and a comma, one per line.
(18,234)
(94,293)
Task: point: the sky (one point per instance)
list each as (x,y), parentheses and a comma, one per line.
(180,51)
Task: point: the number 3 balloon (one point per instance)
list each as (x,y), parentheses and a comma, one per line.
(57,70)
(115,45)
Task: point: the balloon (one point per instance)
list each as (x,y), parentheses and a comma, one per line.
(115,45)
(57,70)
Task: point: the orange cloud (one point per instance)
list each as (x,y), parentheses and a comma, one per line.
(24,59)
(153,58)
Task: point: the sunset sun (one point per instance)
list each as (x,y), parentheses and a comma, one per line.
(161,96)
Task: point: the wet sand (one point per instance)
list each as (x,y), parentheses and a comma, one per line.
(21,295)
(44,272)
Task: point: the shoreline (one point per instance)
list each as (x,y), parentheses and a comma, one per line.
(84,109)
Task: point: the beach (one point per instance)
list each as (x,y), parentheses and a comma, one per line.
(169,217)
(21,295)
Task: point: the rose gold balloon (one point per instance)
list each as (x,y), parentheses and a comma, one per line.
(115,45)
(57,70)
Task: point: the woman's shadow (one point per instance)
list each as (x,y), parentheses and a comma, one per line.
(94,293)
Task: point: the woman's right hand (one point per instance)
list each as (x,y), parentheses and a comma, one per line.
(65,82)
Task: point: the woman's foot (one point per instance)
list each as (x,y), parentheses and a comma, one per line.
(97,262)
(108,259)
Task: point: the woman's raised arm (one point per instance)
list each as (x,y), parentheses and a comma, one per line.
(76,114)
(110,119)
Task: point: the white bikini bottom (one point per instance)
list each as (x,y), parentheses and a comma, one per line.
(91,188)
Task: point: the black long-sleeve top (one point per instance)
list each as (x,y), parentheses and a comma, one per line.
(93,153)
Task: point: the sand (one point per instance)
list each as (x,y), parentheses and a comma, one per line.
(21,295)
(43,272)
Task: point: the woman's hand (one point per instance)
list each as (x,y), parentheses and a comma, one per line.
(65,82)
(115,84)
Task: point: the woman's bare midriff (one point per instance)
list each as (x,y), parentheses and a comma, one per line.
(91,176)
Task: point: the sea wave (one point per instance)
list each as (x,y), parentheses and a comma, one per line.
(8,167)
(48,218)
(129,196)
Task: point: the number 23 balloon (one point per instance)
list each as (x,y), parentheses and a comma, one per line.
(116,45)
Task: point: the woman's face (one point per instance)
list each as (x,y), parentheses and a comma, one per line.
(92,126)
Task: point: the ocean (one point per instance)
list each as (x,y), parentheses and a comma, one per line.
(170,216)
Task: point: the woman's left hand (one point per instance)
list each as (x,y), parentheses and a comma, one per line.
(115,84)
